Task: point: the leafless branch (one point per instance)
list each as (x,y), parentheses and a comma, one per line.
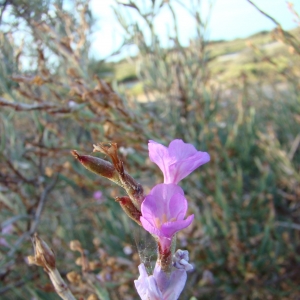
(265,14)
(26,107)
(36,218)
(41,204)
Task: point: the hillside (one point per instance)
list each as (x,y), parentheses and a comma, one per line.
(256,55)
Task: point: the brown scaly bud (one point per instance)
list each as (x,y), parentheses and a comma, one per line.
(74,277)
(114,172)
(43,255)
(133,188)
(75,245)
(82,261)
(128,207)
(111,149)
(97,165)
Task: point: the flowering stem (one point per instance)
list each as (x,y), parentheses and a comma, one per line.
(128,207)
(60,286)
(109,171)
(164,259)
(45,258)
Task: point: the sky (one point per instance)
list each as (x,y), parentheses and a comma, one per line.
(229,19)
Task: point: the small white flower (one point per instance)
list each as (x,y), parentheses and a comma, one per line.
(180,260)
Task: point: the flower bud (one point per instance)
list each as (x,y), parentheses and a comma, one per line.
(75,245)
(74,277)
(97,165)
(180,260)
(43,255)
(114,173)
(128,207)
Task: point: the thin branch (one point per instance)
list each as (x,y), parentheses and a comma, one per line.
(294,147)
(290,39)
(17,172)
(41,204)
(44,257)
(288,225)
(265,14)
(26,107)
(16,284)
(36,217)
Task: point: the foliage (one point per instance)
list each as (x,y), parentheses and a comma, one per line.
(245,200)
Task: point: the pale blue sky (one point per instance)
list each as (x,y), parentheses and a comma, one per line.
(230,19)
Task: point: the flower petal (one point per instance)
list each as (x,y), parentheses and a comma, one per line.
(152,208)
(146,285)
(159,155)
(161,278)
(170,228)
(178,160)
(166,191)
(149,227)
(163,211)
(177,283)
(156,204)
(183,168)
(178,206)
(180,150)
(153,291)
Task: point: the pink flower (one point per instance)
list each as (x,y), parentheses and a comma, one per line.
(163,212)
(160,286)
(178,160)
(6,230)
(98,196)
(147,286)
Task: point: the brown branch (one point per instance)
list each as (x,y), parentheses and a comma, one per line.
(286,36)
(26,107)
(10,164)
(265,14)
(41,204)
(16,284)
(36,217)
(50,107)
(44,257)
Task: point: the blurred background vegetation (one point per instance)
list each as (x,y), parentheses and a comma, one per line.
(237,100)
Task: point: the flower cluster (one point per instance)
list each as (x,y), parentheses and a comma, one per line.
(163,214)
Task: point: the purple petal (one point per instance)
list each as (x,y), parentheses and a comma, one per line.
(171,287)
(97,195)
(146,286)
(180,150)
(181,260)
(153,291)
(166,191)
(164,209)
(156,204)
(159,155)
(161,278)
(178,160)
(177,283)
(183,168)
(150,227)
(170,228)
(152,208)
(7,229)
(178,207)
(143,271)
